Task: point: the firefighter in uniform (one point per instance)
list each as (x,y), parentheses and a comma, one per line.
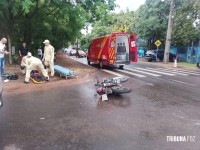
(48,57)
(33,63)
(23,65)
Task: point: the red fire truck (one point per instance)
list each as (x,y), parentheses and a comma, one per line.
(114,49)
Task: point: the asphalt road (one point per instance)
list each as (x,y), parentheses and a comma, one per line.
(162,108)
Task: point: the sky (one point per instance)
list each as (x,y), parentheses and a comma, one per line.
(130,4)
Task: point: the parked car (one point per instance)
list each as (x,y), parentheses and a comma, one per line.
(80,53)
(72,52)
(151,55)
(66,50)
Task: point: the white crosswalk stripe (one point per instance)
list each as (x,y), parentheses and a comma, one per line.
(178,71)
(113,73)
(155,72)
(190,71)
(159,72)
(131,73)
(170,71)
(144,72)
(134,70)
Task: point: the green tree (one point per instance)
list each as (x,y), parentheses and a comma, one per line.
(151,23)
(185,27)
(112,22)
(32,21)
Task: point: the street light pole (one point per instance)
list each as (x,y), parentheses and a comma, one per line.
(169,32)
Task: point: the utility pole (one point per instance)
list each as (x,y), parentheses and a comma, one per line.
(169,32)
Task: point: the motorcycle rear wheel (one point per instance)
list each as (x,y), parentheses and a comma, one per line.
(121,90)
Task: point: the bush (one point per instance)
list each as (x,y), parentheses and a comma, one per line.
(15,58)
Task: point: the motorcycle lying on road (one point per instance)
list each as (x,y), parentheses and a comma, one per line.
(111,86)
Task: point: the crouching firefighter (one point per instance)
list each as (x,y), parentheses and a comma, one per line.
(31,64)
(23,65)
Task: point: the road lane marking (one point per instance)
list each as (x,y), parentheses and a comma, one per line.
(131,73)
(134,70)
(149,70)
(170,71)
(113,73)
(182,82)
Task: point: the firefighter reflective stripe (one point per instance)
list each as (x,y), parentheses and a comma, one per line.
(102,46)
(112,51)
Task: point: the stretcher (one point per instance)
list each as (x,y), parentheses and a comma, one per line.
(64,72)
(37,78)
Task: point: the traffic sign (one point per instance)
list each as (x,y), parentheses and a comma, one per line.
(157,43)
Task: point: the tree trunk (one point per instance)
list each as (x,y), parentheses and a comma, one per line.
(9,49)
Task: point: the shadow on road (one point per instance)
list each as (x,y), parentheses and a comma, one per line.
(114,100)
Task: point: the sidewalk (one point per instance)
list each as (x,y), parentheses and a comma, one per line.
(182,65)
(17,86)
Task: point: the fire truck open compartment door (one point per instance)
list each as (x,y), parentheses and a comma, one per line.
(133,48)
(122,48)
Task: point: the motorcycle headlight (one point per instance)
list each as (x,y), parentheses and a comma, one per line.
(106,84)
(117,81)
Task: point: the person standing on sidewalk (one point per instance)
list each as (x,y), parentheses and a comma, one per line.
(2,53)
(22,52)
(39,51)
(48,57)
